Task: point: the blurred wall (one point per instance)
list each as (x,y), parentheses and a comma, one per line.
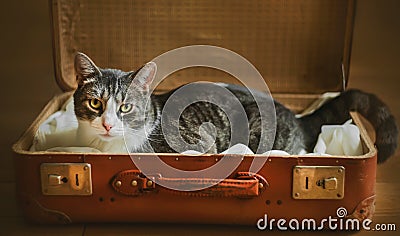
(375,62)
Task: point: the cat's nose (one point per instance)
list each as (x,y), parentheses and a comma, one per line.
(107,126)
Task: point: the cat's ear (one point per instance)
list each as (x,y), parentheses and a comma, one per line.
(85,69)
(145,76)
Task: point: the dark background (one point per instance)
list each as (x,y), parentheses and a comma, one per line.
(27,83)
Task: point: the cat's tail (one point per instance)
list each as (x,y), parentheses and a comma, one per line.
(336,111)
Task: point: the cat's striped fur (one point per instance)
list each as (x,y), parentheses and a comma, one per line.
(145,134)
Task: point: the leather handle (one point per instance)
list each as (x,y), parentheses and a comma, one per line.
(244,185)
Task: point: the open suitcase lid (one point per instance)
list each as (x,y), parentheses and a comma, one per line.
(299,47)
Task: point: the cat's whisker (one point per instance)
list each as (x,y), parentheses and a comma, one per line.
(146,136)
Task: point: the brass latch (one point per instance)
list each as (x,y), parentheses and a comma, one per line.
(318,182)
(328,183)
(66,178)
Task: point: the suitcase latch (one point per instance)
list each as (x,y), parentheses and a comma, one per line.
(66,178)
(328,183)
(318,182)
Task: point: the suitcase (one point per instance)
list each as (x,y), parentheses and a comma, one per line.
(302,49)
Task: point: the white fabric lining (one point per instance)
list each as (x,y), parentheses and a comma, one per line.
(58,134)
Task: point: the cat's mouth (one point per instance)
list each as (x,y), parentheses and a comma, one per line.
(107,136)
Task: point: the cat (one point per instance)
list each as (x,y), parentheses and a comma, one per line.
(104,117)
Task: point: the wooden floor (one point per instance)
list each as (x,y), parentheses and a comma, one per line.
(28,82)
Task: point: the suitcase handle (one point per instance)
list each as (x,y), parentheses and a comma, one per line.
(244,185)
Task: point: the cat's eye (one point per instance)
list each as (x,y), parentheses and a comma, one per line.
(95,103)
(125,108)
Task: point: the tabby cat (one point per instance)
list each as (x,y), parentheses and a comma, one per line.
(104,117)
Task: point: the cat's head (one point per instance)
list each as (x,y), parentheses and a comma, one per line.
(100,100)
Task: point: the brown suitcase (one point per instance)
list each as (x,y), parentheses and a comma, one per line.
(301,48)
